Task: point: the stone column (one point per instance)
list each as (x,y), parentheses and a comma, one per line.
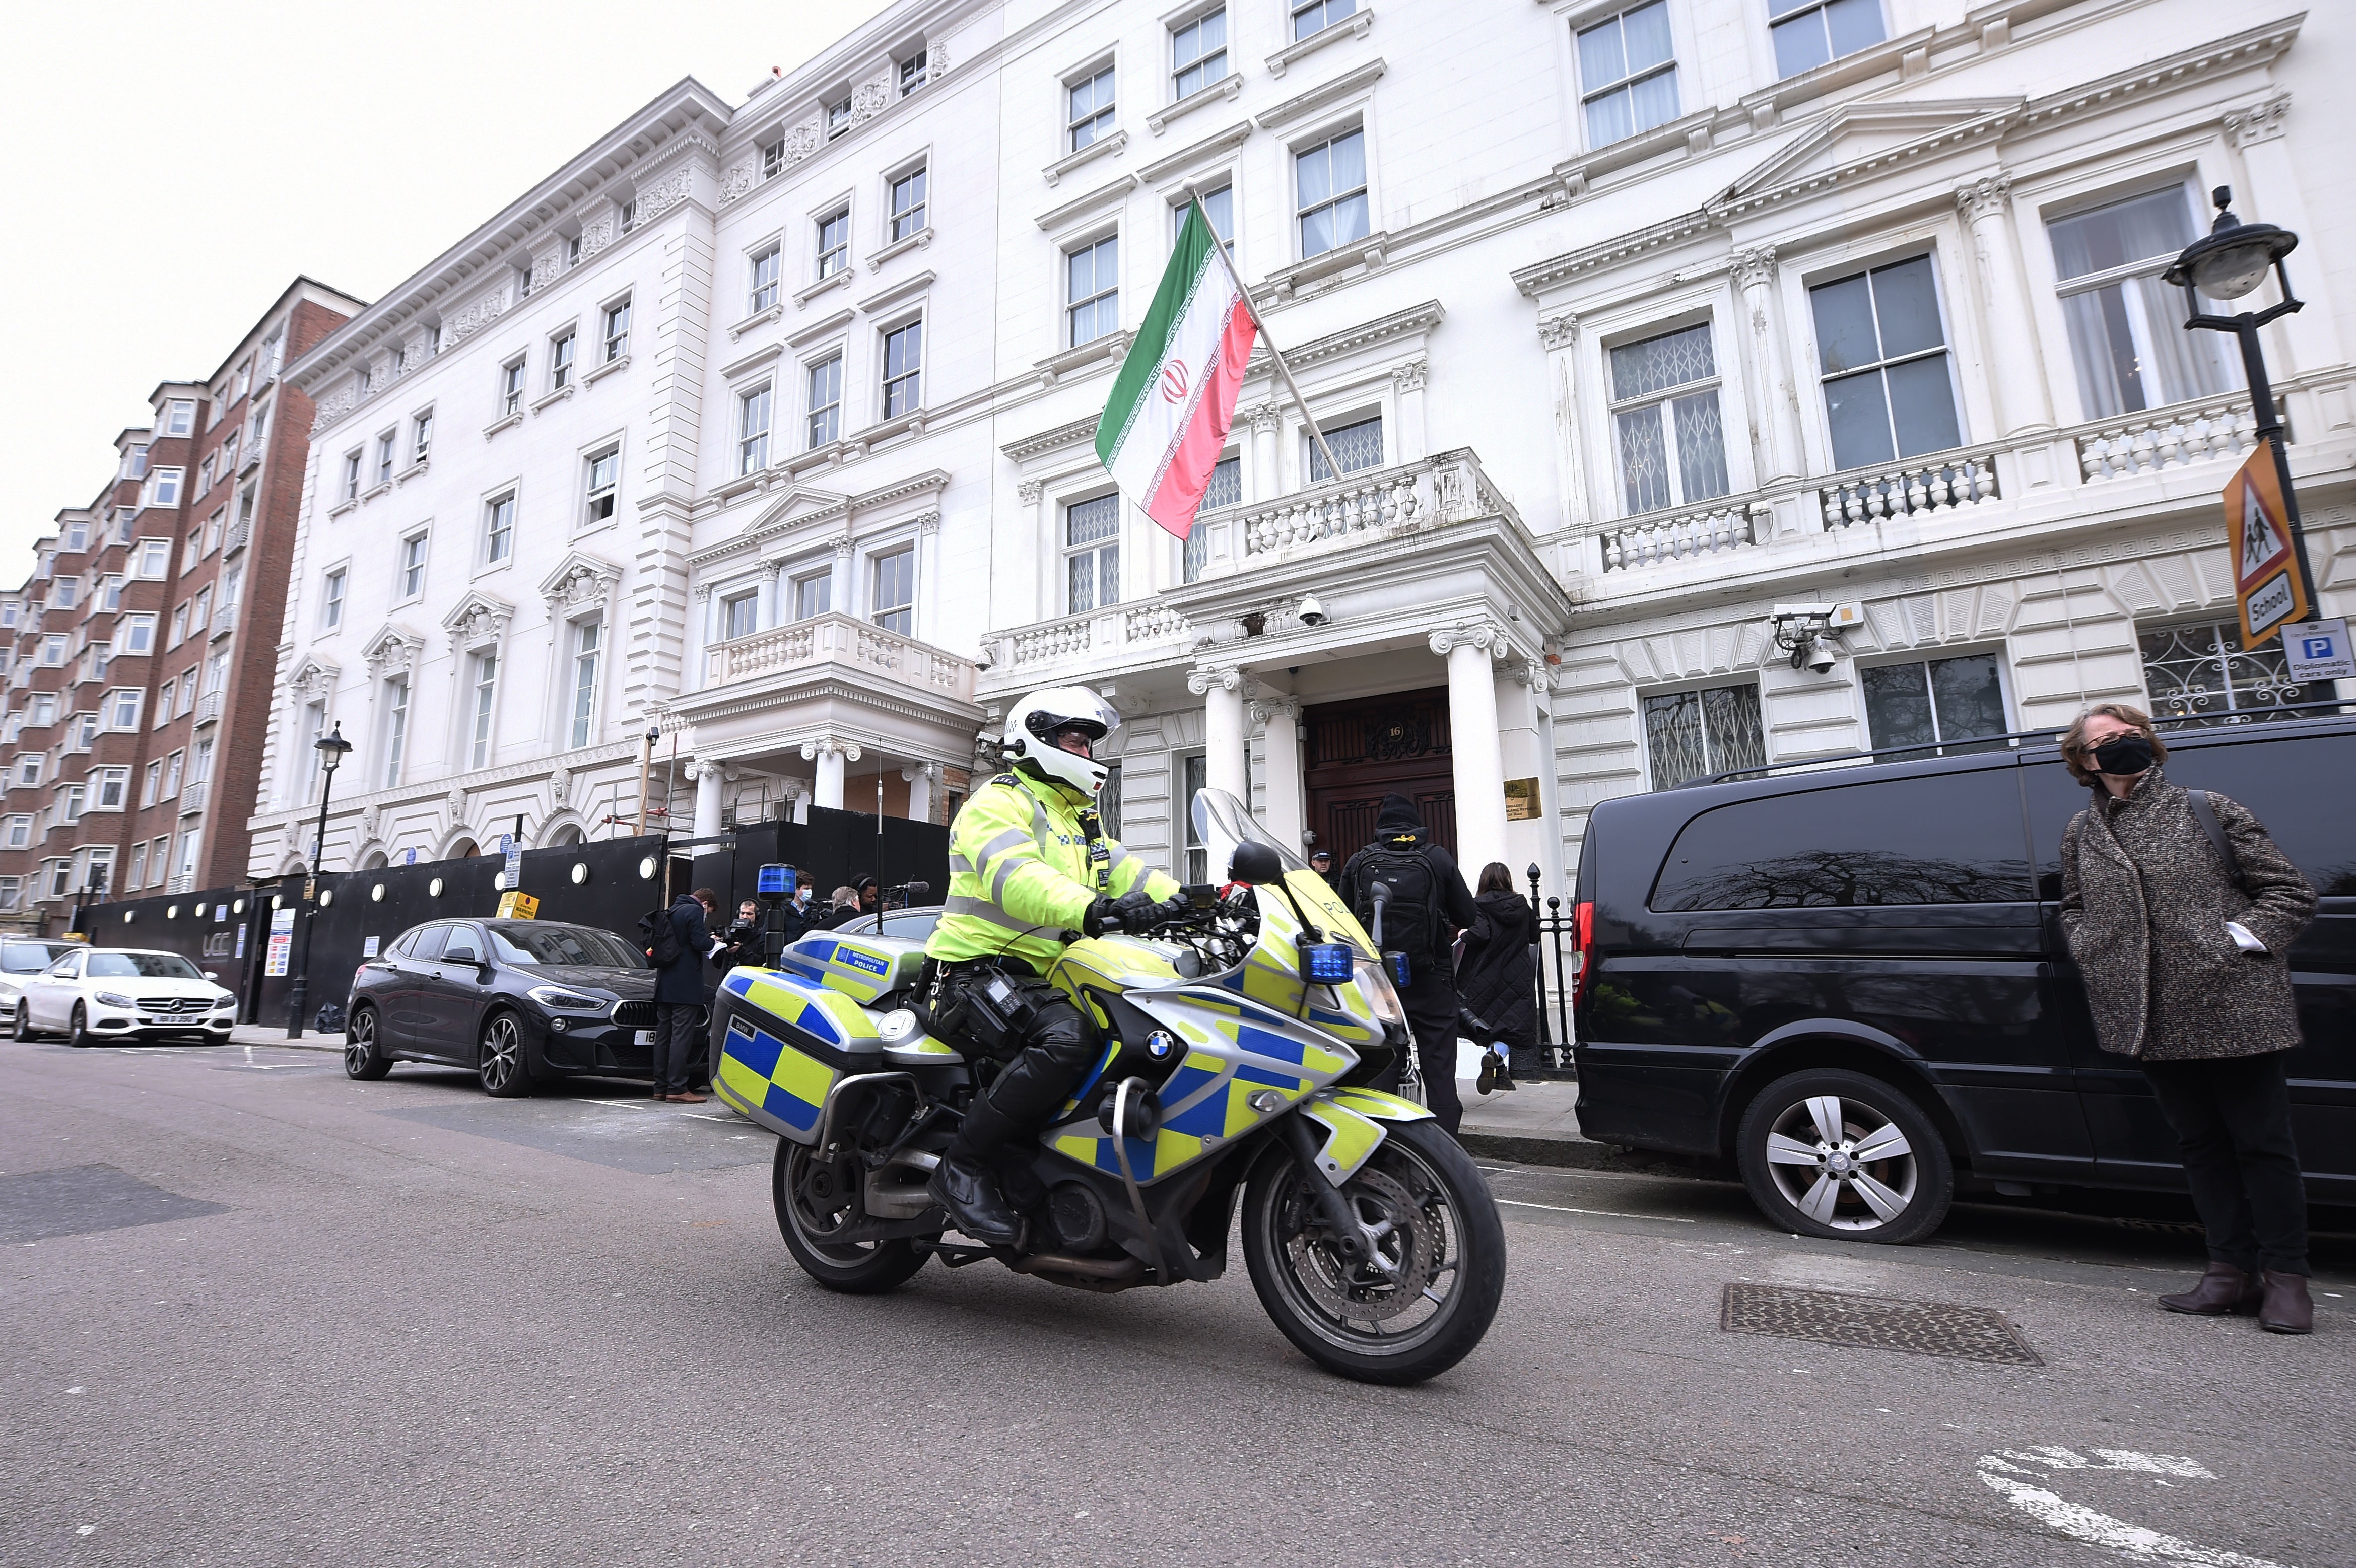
(830,756)
(1480,762)
(1407,384)
(845,588)
(2310,339)
(1558,336)
(2016,370)
(1267,482)
(1227,749)
(1284,812)
(1033,549)
(707,798)
(1775,401)
(920,777)
(698,673)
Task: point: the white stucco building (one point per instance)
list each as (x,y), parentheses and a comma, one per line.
(1626,323)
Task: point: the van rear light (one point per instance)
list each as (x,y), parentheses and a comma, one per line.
(1582,956)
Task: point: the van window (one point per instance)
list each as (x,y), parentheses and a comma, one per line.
(1949,838)
(2289,783)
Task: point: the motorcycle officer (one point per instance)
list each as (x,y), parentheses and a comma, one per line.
(1029,864)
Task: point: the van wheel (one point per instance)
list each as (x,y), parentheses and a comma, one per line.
(1833,1153)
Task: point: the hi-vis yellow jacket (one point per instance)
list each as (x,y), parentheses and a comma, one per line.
(1020,875)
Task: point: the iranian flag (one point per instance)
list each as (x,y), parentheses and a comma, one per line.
(1161,433)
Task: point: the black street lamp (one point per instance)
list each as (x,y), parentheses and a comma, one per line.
(332,747)
(2231,260)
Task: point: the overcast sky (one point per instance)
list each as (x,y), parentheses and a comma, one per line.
(175,166)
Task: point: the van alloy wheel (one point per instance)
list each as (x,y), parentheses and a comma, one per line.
(1835,1153)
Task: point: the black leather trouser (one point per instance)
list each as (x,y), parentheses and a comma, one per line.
(1044,1065)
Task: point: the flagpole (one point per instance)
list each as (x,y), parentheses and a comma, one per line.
(1243,290)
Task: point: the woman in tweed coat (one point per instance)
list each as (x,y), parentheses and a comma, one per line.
(2184,972)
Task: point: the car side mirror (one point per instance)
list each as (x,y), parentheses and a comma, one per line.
(212,974)
(1254,862)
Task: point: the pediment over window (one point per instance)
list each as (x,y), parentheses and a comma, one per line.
(799,504)
(1860,134)
(313,677)
(476,619)
(392,651)
(580,581)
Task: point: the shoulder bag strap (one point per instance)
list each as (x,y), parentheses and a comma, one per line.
(2204,812)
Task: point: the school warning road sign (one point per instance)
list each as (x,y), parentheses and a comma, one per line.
(2266,583)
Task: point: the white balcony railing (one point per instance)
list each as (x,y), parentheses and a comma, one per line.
(2166,438)
(208,709)
(192,797)
(1703,530)
(1447,488)
(1937,484)
(842,640)
(240,535)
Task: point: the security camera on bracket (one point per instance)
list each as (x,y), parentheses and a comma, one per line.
(1811,633)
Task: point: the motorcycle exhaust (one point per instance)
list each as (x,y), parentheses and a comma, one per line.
(1102,1275)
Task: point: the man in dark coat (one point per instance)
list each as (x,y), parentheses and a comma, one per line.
(1423,925)
(679,999)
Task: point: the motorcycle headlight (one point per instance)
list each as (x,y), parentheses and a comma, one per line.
(557,999)
(1381,995)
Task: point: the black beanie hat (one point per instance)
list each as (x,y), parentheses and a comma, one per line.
(1398,814)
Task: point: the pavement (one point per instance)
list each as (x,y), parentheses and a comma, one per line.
(259,1312)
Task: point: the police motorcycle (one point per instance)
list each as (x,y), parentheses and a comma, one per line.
(1239,1035)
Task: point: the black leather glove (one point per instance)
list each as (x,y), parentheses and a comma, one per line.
(1100,914)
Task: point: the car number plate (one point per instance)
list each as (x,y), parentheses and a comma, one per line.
(645,1037)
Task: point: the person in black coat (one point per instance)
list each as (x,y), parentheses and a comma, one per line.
(679,999)
(1496,975)
(1423,929)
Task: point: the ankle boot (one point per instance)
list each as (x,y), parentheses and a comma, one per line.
(2287,1308)
(2223,1289)
(965,1186)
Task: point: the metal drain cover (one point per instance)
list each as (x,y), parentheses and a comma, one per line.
(1875,1323)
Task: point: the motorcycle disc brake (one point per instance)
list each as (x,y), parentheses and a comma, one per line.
(1369,1292)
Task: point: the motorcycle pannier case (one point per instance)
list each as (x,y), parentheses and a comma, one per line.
(781,1040)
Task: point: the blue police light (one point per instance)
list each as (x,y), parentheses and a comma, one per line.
(1400,973)
(777,882)
(1327,963)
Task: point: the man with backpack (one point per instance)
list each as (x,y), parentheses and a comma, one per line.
(1426,903)
(678,940)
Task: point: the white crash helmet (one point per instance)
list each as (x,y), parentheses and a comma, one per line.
(1032,726)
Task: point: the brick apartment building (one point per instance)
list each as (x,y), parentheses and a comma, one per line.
(139,654)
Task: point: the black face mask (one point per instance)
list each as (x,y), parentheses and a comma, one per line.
(2127,755)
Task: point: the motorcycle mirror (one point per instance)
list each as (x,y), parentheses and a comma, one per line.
(1254,863)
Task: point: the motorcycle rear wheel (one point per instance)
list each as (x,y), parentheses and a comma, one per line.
(859,1268)
(1432,1299)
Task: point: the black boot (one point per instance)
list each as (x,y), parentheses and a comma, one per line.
(965,1186)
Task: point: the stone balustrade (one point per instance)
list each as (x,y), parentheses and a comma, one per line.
(1117,629)
(1647,541)
(842,640)
(1939,482)
(1375,502)
(2166,438)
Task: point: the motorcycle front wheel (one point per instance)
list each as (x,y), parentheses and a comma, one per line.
(1427,1294)
(810,1206)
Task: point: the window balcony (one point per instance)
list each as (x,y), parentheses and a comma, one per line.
(1349,513)
(192,797)
(208,709)
(240,535)
(225,618)
(841,641)
(2171,458)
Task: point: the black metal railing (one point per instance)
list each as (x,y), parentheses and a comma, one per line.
(1556,919)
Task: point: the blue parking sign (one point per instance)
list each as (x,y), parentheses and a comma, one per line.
(2318,650)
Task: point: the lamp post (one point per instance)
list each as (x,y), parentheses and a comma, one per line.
(332,747)
(2229,261)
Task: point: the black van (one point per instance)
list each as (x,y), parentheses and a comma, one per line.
(1868,955)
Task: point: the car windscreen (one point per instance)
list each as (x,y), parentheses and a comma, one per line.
(151,965)
(27,957)
(522,941)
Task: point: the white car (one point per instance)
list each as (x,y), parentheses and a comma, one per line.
(20,959)
(123,993)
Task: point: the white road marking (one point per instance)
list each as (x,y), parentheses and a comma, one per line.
(1606,1213)
(2081,1524)
(700,1117)
(622,1104)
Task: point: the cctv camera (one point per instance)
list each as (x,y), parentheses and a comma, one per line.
(1820,656)
(1312,613)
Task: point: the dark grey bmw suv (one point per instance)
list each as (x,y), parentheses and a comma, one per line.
(513,1000)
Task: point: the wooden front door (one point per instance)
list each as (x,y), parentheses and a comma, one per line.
(1359,751)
